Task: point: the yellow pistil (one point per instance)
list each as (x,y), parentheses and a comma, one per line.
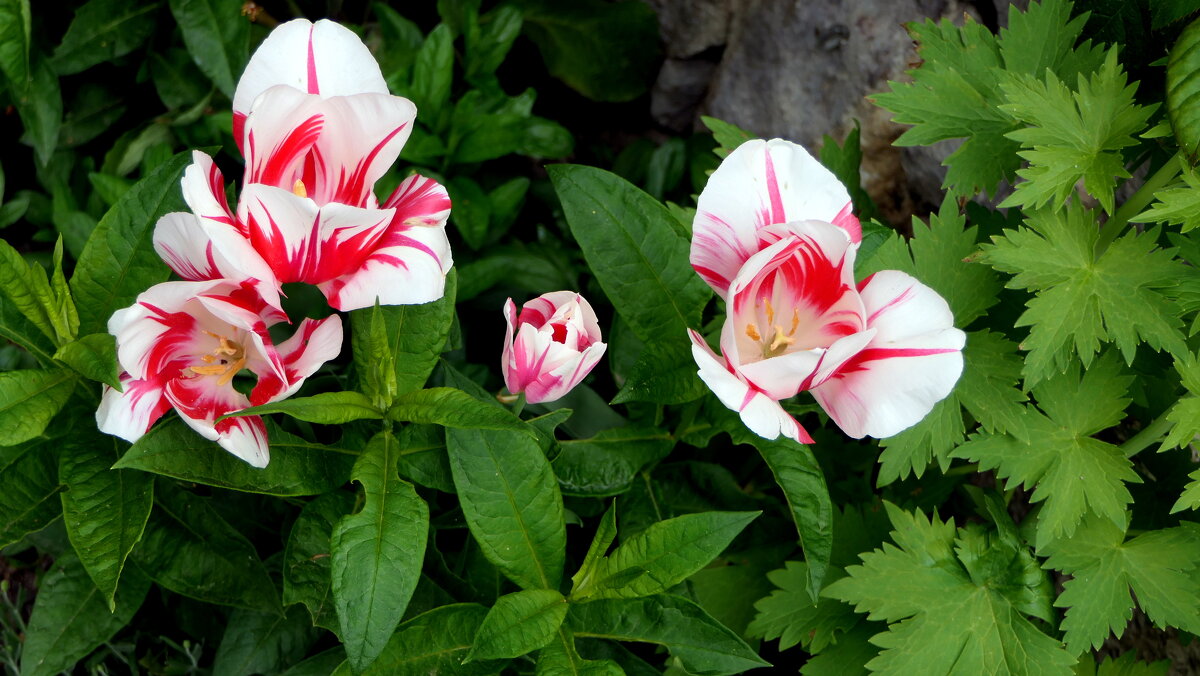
(299,189)
(780,339)
(226,360)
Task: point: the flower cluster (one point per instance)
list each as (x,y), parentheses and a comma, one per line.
(775,237)
(317,126)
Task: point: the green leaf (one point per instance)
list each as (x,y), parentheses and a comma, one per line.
(28,289)
(1124,665)
(847,657)
(103,30)
(560,657)
(803,484)
(790,615)
(519,623)
(845,161)
(727,136)
(306,560)
(29,399)
(665,373)
(377,553)
(39,102)
(638,258)
(423,458)
(450,407)
(512,504)
(327,408)
(188,548)
(700,643)
(498,29)
(1185,413)
(322,664)
(263,643)
(1183,106)
(15,327)
(71,619)
(104,510)
(119,261)
(395,350)
(1191,493)
(433,70)
(607,463)
(606,532)
(1083,301)
(605,51)
(1074,472)
(29,489)
(298,467)
(1157,566)
(15,19)
(1179,205)
(435,643)
(661,556)
(1073,136)
(217,36)
(955,601)
(94,357)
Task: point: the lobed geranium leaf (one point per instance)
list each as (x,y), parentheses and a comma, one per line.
(297,467)
(1157,566)
(188,548)
(955,601)
(377,553)
(435,643)
(306,559)
(105,510)
(512,503)
(700,643)
(71,618)
(29,400)
(263,643)
(607,463)
(519,623)
(790,615)
(1191,494)
(217,35)
(661,556)
(1177,205)
(119,261)
(29,489)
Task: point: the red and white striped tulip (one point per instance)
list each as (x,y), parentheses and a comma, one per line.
(876,355)
(182,344)
(556,343)
(318,128)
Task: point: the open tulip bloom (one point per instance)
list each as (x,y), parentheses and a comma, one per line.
(775,237)
(318,128)
(182,344)
(556,344)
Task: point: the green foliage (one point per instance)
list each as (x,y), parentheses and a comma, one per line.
(1181,89)
(519,623)
(306,560)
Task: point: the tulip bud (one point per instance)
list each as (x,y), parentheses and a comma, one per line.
(557,343)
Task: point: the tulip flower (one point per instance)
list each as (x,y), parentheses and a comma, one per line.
(318,128)
(182,344)
(556,344)
(877,355)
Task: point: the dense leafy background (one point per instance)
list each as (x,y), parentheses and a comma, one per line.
(409,523)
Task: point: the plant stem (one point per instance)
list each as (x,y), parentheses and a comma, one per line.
(1150,434)
(519,405)
(1136,203)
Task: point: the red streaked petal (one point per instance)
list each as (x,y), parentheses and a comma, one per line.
(313,343)
(129,414)
(199,401)
(407,266)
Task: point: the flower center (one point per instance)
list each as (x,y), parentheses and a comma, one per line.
(298,189)
(780,340)
(225,360)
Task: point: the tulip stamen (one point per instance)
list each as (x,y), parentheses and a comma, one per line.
(298,189)
(752,332)
(225,360)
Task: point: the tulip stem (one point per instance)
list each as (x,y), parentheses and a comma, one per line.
(1136,203)
(519,405)
(1148,436)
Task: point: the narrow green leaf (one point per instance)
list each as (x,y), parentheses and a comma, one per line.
(699,642)
(560,657)
(28,289)
(263,643)
(15,19)
(433,70)
(607,463)
(119,260)
(29,489)
(377,553)
(662,556)
(39,102)
(104,510)
(63,316)
(94,357)
(451,407)
(606,532)
(306,560)
(512,504)
(29,399)
(638,258)
(188,548)
(518,624)
(297,467)
(1183,104)
(103,30)
(435,643)
(327,408)
(16,328)
(71,619)
(406,340)
(217,35)
(799,475)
